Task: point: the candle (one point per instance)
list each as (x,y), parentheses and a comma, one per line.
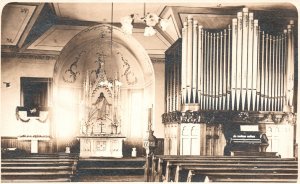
(149,118)
(149,114)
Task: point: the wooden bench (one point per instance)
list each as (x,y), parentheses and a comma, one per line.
(211,166)
(33,168)
(226,172)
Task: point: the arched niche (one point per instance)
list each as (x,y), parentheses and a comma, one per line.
(124,57)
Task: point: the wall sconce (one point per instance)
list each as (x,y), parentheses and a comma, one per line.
(7,84)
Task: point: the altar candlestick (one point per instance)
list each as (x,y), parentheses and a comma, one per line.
(149,118)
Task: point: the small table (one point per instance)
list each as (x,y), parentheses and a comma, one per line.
(34,142)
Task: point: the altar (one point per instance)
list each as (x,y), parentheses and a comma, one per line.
(104,146)
(100,131)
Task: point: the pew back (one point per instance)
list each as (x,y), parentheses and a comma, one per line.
(223,168)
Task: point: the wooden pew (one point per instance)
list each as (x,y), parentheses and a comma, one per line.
(246,173)
(211,163)
(160,161)
(39,168)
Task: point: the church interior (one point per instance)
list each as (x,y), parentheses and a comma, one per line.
(149,92)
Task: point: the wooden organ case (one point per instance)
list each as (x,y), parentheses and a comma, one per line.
(220,80)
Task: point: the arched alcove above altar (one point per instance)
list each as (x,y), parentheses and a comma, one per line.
(102,53)
(120,52)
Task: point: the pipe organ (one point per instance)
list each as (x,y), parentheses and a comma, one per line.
(240,69)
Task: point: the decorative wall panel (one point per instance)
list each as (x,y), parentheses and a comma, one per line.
(14,21)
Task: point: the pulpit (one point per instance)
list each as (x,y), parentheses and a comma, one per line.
(34,141)
(34,126)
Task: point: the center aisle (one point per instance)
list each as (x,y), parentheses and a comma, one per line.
(110,170)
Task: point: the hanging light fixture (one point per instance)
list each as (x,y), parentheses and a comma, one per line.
(150,19)
(127,24)
(104,81)
(116,83)
(113,84)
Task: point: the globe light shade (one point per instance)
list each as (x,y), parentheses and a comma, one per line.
(127,28)
(164,23)
(127,20)
(149,31)
(127,24)
(151,19)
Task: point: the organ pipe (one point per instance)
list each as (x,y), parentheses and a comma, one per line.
(234,63)
(239,60)
(244,58)
(221,62)
(183,65)
(228,62)
(239,68)
(250,63)
(200,64)
(290,66)
(255,68)
(195,63)
(189,59)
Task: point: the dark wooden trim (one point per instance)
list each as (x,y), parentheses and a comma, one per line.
(39,52)
(25,3)
(9,137)
(223,116)
(165,35)
(9,48)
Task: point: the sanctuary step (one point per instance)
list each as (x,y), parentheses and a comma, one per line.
(110,170)
(38,168)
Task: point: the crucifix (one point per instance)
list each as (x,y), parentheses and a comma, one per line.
(100,61)
(101,127)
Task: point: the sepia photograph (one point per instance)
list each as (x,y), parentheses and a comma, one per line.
(149,91)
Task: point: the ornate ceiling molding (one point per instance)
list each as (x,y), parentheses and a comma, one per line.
(29,56)
(158,60)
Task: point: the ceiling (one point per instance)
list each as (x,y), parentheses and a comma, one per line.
(44,28)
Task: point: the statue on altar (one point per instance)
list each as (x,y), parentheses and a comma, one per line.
(99,115)
(102,107)
(100,102)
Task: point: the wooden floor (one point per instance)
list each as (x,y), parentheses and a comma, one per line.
(110,170)
(132,178)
